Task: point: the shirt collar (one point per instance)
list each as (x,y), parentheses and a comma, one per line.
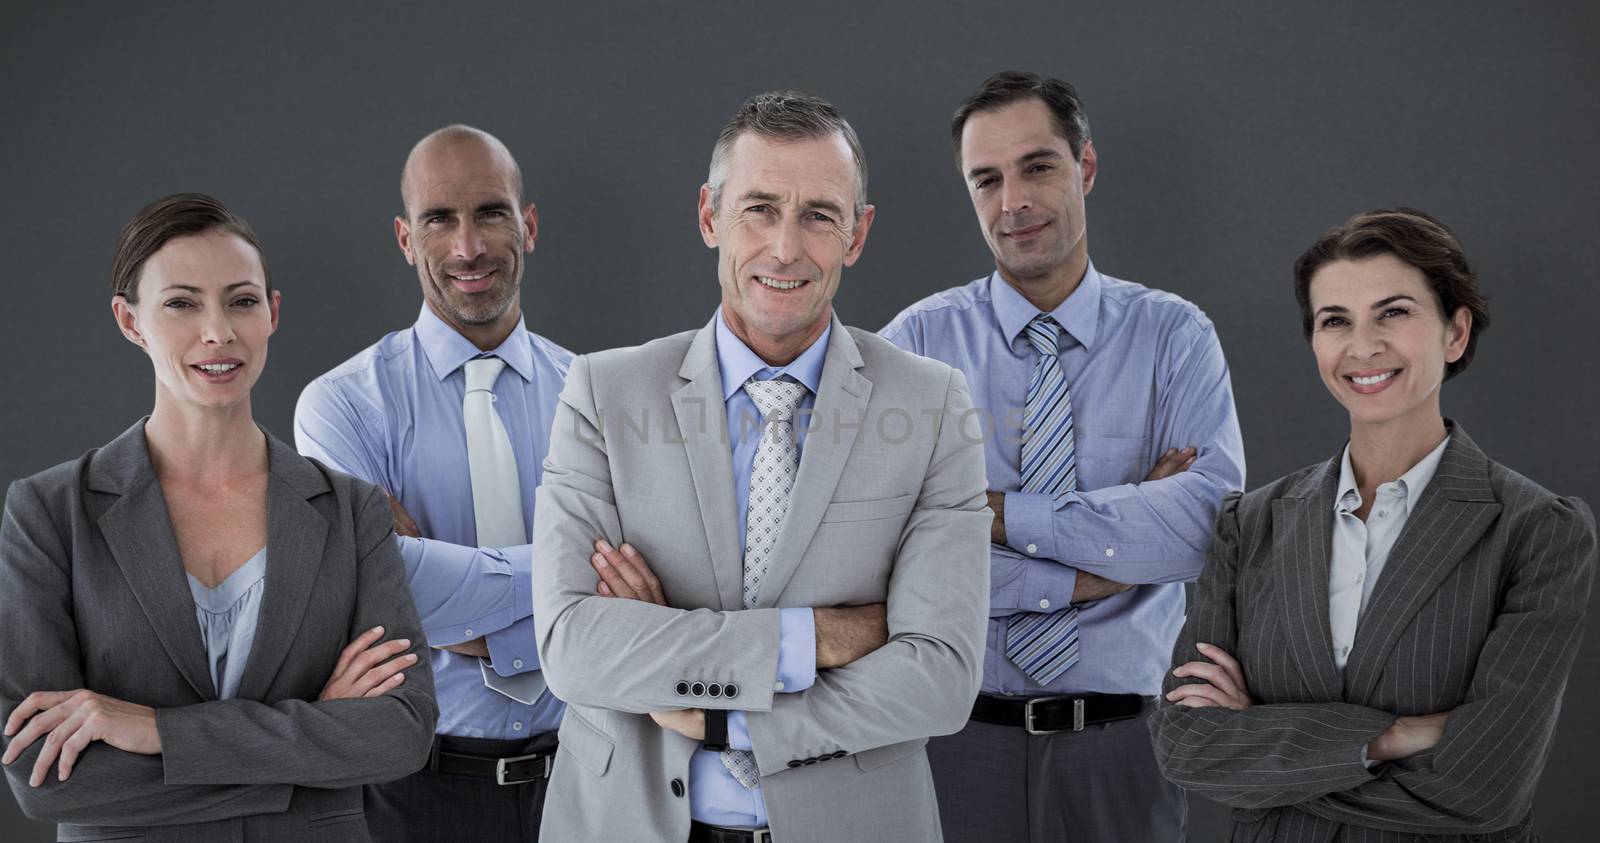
(1079,314)
(1412,483)
(446,350)
(738,363)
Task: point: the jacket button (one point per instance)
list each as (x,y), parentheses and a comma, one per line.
(677,788)
(698,689)
(809,761)
(840,754)
(796,763)
(730,690)
(682,688)
(714,689)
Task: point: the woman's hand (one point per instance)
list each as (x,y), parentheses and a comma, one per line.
(1407,736)
(367,669)
(69,720)
(1223,685)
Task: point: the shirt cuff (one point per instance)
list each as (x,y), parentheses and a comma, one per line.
(513,650)
(797,651)
(1028,524)
(1047,586)
(738,732)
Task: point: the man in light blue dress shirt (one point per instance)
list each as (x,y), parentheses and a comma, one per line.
(1148,444)
(393,415)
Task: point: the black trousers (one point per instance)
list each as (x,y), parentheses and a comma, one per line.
(428,807)
(999,784)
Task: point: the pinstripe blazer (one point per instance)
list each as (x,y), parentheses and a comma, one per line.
(93,595)
(1477,612)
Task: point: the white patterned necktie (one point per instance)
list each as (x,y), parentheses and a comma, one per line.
(1045,644)
(496,496)
(771,477)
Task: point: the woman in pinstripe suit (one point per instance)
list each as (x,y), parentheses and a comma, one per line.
(1379,643)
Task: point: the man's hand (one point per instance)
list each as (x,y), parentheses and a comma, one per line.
(69,721)
(624,573)
(689,722)
(1224,685)
(1172,462)
(404,524)
(997,530)
(476,647)
(1092,587)
(845,634)
(1407,736)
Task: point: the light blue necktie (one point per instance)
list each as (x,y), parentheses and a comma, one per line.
(1045,644)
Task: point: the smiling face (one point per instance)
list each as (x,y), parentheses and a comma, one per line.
(466,235)
(1028,193)
(203,315)
(1381,341)
(784,232)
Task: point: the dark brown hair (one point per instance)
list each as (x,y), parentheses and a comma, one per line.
(1415,238)
(1009,86)
(178,215)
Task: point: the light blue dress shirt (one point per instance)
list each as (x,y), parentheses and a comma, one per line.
(715,796)
(1146,373)
(391,415)
(228,615)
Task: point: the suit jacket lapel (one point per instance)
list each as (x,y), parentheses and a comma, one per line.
(1303,541)
(838,416)
(296,534)
(703,424)
(1453,513)
(138,531)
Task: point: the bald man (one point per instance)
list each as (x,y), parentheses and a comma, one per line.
(452,416)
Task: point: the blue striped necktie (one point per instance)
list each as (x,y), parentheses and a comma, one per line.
(1045,644)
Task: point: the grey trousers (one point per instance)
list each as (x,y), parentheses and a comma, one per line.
(428,807)
(998,784)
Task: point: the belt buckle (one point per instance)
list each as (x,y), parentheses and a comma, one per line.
(1028,715)
(762,835)
(502,773)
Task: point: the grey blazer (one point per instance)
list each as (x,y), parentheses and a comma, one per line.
(93,595)
(888,505)
(1479,611)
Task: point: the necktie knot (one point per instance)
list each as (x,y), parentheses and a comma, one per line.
(776,399)
(482,373)
(1044,334)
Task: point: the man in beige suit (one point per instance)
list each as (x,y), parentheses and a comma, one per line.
(760,548)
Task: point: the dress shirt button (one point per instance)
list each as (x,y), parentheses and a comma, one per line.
(1044,604)
(714,689)
(469,632)
(1111,551)
(795,763)
(730,690)
(778,685)
(698,689)
(1383,513)
(516,726)
(682,688)
(1360,577)
(1346,652)
(516,663)
(677,788)
(1032,549)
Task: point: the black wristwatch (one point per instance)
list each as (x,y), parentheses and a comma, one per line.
(716,738)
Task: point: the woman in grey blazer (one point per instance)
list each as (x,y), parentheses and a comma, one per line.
(190,616)
(1379,643)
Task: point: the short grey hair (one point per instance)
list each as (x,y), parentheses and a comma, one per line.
(786,116)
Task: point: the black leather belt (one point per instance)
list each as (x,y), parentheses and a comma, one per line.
(515,769)
(699,832)
(1048,715)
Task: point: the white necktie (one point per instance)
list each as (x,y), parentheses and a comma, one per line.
(496,497)
(771,478)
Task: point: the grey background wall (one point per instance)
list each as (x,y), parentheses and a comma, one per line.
(1229,134)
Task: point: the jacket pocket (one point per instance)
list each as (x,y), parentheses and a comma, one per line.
(882,756)
(586,744)
(868,510)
